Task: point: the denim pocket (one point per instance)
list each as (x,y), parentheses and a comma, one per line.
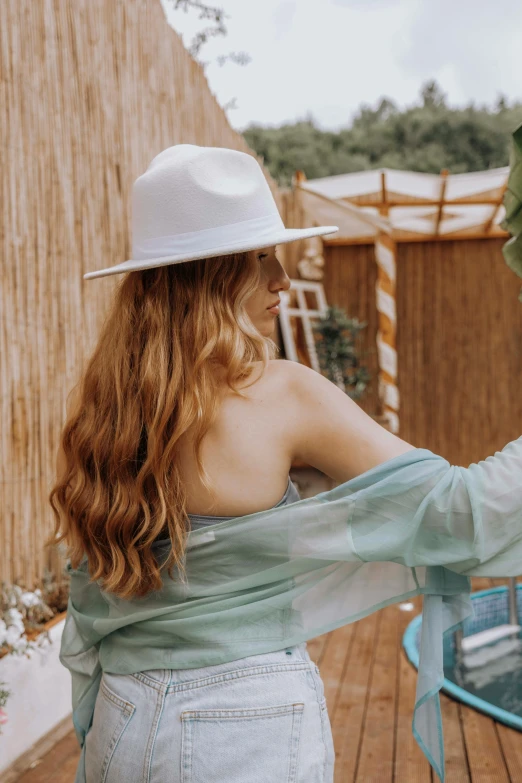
(111,717)
(241,745)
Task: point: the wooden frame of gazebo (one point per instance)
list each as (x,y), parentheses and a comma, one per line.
(371,213)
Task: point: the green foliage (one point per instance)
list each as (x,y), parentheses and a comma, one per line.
(427,137)
(513,203)
(335,338)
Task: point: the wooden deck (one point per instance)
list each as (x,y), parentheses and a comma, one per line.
(370,692)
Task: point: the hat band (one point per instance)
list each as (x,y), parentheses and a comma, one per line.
(194,242)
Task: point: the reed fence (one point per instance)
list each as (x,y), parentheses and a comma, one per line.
(91,91)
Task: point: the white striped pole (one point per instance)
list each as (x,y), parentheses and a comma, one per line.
(386,256)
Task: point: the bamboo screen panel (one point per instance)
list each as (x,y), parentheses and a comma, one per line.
(91,91)
(459,333)
(459,340)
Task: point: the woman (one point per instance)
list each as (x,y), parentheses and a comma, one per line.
(183,421)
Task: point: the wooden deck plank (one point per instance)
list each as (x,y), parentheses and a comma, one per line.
(348,721)
(376,757)
(455,752)
(486,759)
(317,646)
(411,765)
(58,765)
(511,744)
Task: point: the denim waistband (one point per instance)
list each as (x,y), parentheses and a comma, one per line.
(296,655)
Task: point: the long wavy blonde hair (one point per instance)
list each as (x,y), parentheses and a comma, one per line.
(151,376)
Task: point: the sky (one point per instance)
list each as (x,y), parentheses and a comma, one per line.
(324,58)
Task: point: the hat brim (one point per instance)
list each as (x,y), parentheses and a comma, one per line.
(277,238)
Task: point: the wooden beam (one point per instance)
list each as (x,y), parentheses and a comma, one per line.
(489,222)
(364,201)
(384,207)
(478,234)
(340,241)
(444,181)
(351,208)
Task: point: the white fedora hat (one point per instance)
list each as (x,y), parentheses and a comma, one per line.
(197,202)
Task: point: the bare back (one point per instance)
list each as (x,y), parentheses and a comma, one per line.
(289,412)
(247,452)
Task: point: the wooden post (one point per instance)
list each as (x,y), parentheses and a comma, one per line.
(386,256)
(489,222)
(444,181)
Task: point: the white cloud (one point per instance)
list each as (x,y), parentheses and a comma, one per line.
(282,17)
(366,5)
(326,57)
(472,47)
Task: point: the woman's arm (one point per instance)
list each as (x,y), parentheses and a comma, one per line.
(421,512)
(329,431)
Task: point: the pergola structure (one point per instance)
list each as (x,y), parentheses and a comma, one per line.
(386,207)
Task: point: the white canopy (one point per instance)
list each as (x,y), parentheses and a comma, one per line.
(407,204)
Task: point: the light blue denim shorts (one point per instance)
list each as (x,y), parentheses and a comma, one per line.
(261,719)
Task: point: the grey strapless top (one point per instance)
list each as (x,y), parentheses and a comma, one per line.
(200,520)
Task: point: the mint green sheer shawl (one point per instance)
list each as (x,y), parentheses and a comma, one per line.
(413,525)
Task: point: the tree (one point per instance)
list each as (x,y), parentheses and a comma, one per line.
(427,136)
(432,95)
(217,16)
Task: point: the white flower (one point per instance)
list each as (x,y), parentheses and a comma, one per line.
(3,632)
(20,645)
(13,634)
(14,617)
(14,622)
(30,599)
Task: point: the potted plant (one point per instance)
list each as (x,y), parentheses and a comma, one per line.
(335,340)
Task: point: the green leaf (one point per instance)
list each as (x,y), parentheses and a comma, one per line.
(512,250)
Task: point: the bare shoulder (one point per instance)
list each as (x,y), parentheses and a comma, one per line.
(286,380)
(329,430)
(277,375)
(286,371)
(294,371)
(303,385)
(296,384)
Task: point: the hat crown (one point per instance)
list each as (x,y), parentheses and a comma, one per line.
(187,188)
(197,202)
